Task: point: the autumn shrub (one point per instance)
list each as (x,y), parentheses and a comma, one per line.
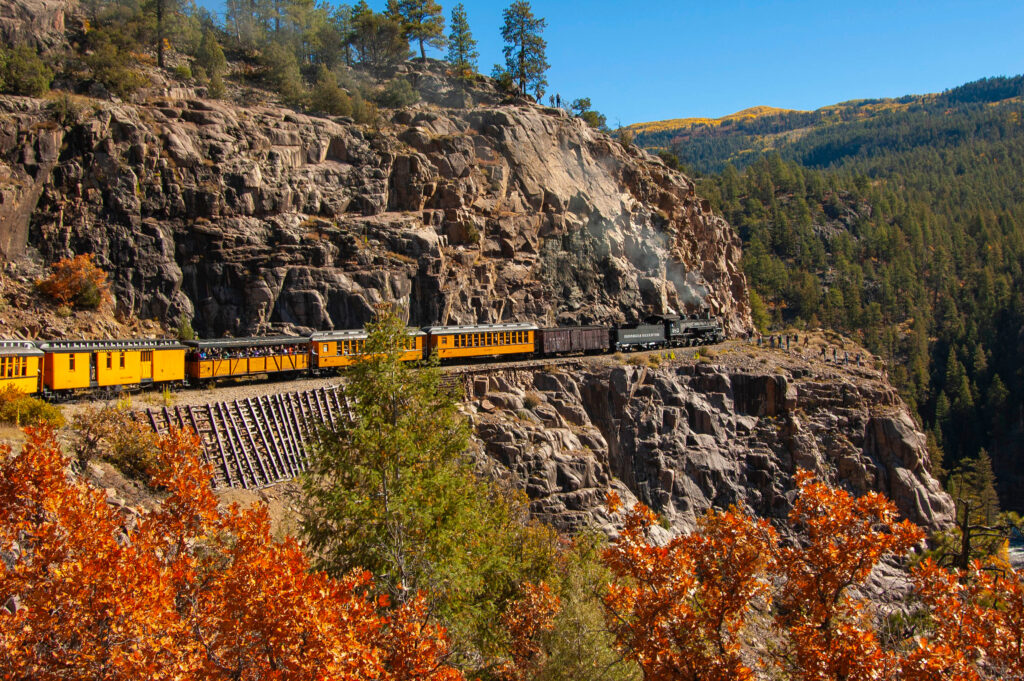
(187,591)
(111,434)
(77,282)
(677,609)
(19,409)
(525,621)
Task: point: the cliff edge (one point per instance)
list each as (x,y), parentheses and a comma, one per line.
(730,426)
(466,207)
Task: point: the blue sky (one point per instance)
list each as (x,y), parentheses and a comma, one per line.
(642,61)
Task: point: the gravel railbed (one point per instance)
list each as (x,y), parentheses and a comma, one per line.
(734,354)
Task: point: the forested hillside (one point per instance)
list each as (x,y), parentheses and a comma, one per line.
(900,222)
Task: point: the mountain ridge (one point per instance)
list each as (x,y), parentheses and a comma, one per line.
(740,136)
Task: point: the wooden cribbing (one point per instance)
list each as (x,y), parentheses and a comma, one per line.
(257,441)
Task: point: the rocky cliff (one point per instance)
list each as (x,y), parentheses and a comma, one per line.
(687,435)
(464,208)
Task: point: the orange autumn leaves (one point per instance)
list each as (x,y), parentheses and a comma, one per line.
(77,282)
(681,610)
(677,609)
(191,591)
(524,622)
(186,592)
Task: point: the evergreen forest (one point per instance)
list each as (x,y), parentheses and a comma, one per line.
(900,223)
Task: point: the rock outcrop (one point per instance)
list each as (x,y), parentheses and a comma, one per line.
(463,208)
(688,435)
(33,22)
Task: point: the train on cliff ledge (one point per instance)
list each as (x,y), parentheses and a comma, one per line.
(62,369)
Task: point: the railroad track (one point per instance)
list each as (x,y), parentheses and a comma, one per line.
(257,441)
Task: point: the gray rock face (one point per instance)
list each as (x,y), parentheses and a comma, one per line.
(29,155)
(33,22)
(689,437)
(257,218)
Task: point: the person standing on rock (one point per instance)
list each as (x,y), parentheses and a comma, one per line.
(835,352)
(787,342)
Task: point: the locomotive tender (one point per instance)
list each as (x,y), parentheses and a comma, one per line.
(61,369)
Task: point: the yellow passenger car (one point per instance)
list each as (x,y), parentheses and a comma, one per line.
(342,348)
(485,340)
(76,365)
(20,365)
(231,357)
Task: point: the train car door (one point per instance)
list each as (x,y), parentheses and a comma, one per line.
(147,365)
(94,360)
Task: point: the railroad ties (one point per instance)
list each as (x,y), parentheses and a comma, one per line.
(257,441)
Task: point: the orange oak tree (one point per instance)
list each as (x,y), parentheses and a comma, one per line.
(678,609)
(841,539)
(186,592)
(524,620)
(976,625)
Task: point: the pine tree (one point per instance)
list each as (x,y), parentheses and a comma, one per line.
(995,404)
(327,97)
(462,52)
(525,58)
(393,492)
(421,20)
(976,533)
(341,20)
(984,484)
(378,38)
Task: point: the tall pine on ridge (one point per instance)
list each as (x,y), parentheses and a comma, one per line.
(525,58)
(462,52)
(422,21)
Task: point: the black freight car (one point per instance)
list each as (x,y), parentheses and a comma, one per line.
(639,337)
(568,339)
